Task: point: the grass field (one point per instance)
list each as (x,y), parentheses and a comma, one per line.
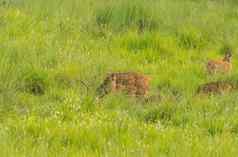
(48,48)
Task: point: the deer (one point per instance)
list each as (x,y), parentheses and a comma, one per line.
(216,87)
(133,84)
(220,66)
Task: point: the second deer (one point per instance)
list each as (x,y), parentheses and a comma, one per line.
(220,66)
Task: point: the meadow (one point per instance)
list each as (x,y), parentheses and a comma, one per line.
(54,54)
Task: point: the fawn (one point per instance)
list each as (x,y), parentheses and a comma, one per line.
(221,66)
(133,84)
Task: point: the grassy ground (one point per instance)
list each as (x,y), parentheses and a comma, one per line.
(49,47)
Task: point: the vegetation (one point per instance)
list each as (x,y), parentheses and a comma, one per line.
(55,53)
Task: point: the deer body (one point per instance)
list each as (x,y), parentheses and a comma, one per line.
(220,66)
(133,84)
(217,87)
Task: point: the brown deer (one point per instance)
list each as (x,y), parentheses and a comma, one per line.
(133,84)
(220,66)
(217,87)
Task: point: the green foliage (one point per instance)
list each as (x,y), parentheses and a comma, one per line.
(163,113)
(191,38)
(68,76)
(56,53)
(126,14)
(35,83)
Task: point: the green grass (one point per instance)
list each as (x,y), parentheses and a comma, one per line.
(54,55)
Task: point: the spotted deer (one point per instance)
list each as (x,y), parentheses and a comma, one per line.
(220,66)
(217,87)
(134,84)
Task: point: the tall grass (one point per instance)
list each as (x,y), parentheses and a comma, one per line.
(54,54)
